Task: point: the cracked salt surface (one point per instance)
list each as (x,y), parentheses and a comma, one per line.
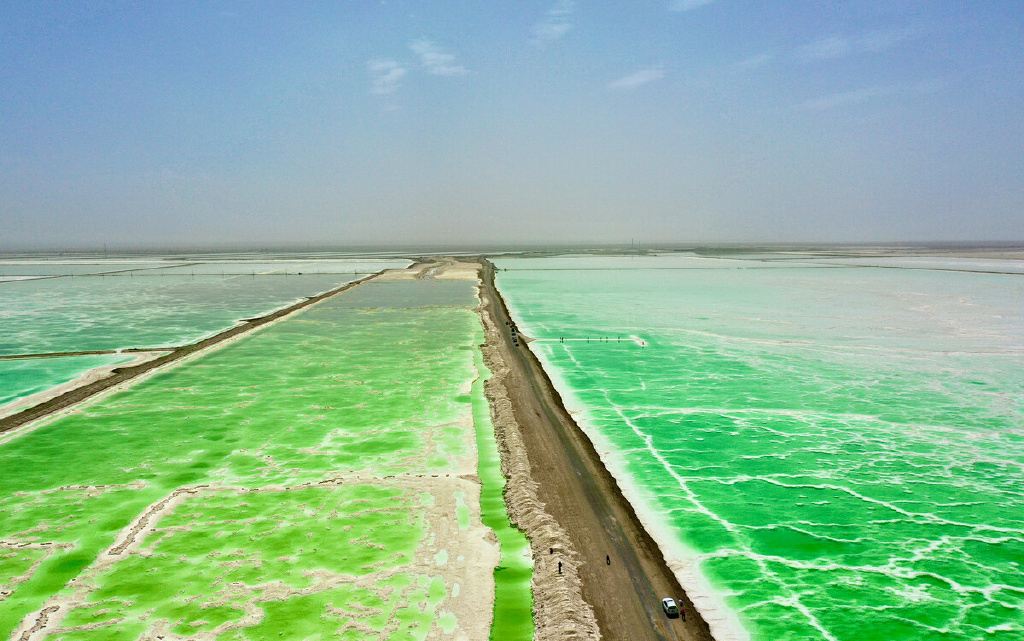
(822,452)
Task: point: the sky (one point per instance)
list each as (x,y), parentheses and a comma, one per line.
(252,123)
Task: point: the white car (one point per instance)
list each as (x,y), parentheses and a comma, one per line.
(670,608)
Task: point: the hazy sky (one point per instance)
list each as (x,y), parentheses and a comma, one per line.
(170,123)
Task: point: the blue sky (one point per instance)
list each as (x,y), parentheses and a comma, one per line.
(245,122)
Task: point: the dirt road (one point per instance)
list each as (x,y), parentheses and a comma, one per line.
(624,575)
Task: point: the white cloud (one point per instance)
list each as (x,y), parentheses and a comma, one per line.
(930,86)
(825,49)
(884,40)
(861,96)
(386,75)
(638,79)
(687,5)
(436,60)
(842,46)
(836,100)
(755,62)
(555,23)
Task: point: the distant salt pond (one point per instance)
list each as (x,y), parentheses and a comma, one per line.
(115,305)
(94,304)
(825,450)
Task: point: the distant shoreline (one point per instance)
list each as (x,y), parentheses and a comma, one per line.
(954,249)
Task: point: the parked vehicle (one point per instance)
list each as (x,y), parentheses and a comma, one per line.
(670,608)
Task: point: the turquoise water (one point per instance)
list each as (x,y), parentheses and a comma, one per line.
(232,264)
(20,378)
(823,452)
(72,267)
(282,267)
(96,304)
(111,312)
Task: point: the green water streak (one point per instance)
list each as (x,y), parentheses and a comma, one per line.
(513,599)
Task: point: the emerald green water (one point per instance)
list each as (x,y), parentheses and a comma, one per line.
(513,599)
(825,452)
(310,467)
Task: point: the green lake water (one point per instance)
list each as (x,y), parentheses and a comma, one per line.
(824,452)
(291,459)
(513,599)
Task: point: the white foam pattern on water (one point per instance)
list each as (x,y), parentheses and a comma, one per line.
(821,453)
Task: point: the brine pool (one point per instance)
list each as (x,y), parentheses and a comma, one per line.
(822,451)
(104,312)
(316,478)
(59,306)
(23,377)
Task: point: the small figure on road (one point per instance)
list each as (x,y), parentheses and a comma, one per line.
(607,559)
(559,567)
